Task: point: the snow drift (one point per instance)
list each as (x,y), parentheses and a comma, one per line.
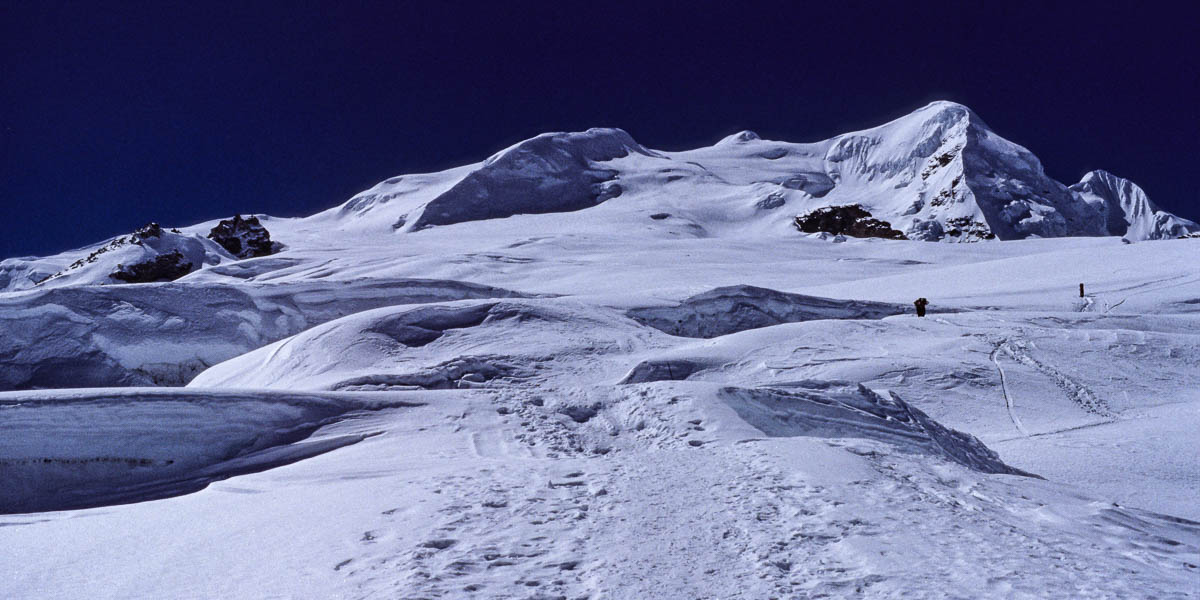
(726,310)
(841,409)
(436,346)
(1127,211)
(164,334)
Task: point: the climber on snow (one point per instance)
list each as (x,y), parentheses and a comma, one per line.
(921,303)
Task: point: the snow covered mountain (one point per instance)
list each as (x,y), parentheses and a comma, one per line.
(587,369)
(937,174)
(1126,209)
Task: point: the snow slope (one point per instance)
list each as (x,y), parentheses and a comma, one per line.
(471,344)
(478,494)
(587,369)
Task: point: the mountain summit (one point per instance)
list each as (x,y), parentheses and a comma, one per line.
(941,170)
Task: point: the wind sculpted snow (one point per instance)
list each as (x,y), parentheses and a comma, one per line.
(737,308)
(439,346)
(165,334)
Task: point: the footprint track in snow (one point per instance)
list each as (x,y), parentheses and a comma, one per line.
(1082,395)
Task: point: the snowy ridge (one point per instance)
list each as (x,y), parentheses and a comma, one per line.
(1127,210)
(437,346)
(164,334)
(116,260)
(937,174)
(553,172)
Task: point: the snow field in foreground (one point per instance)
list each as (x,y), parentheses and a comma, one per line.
(496,494)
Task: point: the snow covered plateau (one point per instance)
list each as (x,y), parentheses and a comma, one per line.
(583,368)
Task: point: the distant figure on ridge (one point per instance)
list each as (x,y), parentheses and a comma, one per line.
(921,303)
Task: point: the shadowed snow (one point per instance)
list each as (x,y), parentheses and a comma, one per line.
(737,308)
(78,449)
(164,334)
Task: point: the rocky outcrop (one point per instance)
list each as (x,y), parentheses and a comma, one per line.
(137,238)
(164,267)
(852,220)
(148,254)
(151,230)
(243,238)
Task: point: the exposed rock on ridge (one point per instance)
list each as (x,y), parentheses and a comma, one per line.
(850,220)
(164,267)
(243,238)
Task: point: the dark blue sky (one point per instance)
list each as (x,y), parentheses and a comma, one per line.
(180,112)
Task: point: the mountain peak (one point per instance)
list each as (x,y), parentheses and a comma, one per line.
(596,144)
(1127,210)
(1100,176)
(949,113)
(740,137)
(945,105)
